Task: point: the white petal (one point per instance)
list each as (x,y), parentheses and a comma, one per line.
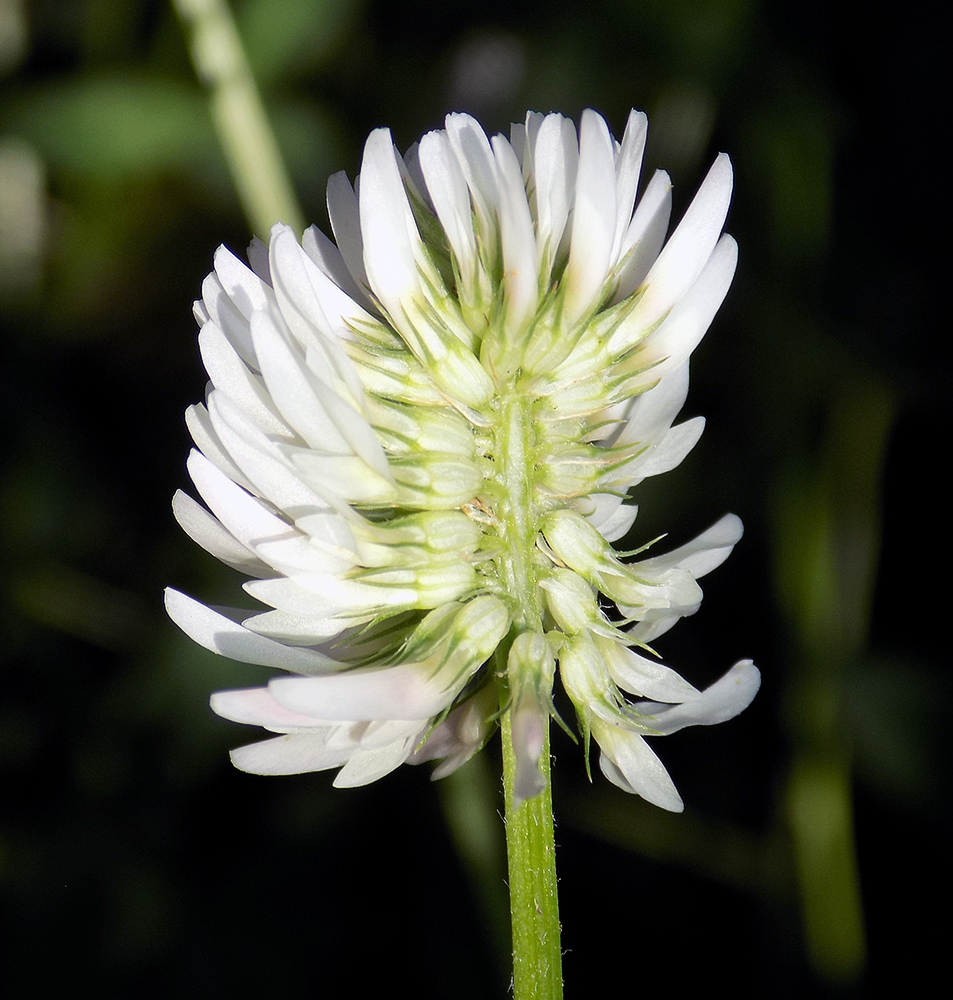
(669,346)
(312,307)
(409,165)
(555,160)
(331,529)
(257,255)
(401,692)
(472,149)
(519,242)
(296,553)
(220,309)
(662,456)
(256,707)
(522,134)
(366,766)
(615,526)
(263,463)
(704,553)
(345,216)
(222,635)
(199,423)
(240,513)
(529,732)
(461,733)
(720,702)
(356,431)
(646,233)
(641,676)
(448,191)
(230,375)
(383,733)
(629,762)
(330,260)
(324,594)
(389,237)
(668,590)
(206,529)
(245,289)
(690,246)
(295,630)
(292,598)
(343,475)
(656,622)
(628,168)
(594,217)
(297,753)
(292,387)
(201,314)
(650,414)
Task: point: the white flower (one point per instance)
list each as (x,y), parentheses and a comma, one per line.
(419,444)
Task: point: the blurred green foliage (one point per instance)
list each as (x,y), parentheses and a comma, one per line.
(133,860)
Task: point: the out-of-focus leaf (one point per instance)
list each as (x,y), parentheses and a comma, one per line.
(282,37)
(117,126)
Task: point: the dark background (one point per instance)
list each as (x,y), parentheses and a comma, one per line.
(134,862)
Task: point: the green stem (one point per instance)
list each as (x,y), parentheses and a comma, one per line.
(534,905)
(244,131)
(530,840)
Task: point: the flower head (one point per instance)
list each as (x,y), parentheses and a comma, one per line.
(419,443)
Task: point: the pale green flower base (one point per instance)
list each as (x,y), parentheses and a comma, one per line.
(534,905)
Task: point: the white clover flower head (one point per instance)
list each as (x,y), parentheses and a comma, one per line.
(419,443)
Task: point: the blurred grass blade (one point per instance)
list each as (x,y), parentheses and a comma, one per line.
(829,547)
(820,812)
(251,150)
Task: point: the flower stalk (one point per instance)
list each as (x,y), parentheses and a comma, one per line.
(531,863)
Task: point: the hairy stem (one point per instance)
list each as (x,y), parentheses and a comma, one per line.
(534,905)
